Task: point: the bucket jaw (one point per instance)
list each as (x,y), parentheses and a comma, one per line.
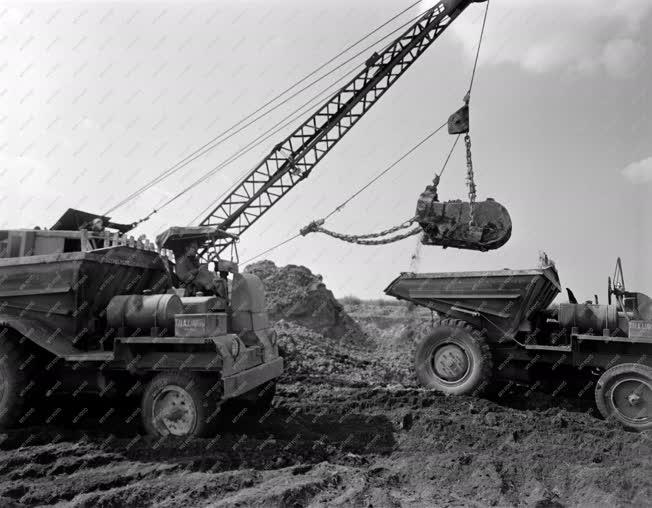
(483,226)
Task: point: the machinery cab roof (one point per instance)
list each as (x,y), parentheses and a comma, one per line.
(76,220)
(177,238)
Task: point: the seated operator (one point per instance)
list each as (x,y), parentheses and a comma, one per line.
(196,277)
(96,227)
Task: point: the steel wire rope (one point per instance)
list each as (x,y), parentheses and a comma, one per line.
(337,209)
(210,146)
(210,173)
(359,191)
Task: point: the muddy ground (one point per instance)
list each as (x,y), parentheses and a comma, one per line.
(340,444)
(349,427)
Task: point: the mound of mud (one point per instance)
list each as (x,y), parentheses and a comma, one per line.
(295,294)
(309,355)
(390,323)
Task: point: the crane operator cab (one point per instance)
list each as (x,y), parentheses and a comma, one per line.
(192,276)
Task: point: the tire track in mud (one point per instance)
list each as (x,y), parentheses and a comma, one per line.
(326,445)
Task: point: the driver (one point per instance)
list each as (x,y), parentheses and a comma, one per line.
(196,276)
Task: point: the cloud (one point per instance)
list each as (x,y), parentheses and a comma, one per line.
(581,37)
(639,172)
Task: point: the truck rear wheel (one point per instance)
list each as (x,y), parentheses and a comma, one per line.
(180,404)
(624,393)
(454,359)
(15,382)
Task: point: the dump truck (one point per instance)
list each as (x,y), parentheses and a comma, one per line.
(102,313)
(503,325)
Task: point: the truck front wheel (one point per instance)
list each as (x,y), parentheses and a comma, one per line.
(180,404)
(624,393)
(454,359)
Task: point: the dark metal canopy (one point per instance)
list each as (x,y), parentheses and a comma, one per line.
(176,237)
(74,220)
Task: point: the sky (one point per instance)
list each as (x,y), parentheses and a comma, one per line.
(97,99)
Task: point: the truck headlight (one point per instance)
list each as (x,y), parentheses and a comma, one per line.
(235,347)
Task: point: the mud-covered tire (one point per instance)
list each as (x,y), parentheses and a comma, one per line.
(181,405)
(454,359)
(16,383)
(624,393)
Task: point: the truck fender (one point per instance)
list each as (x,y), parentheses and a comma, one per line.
(47,337)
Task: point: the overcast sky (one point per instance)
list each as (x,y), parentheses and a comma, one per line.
(98,98)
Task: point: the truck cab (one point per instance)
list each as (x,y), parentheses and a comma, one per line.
(98,309)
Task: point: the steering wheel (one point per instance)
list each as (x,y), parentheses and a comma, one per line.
(617,284)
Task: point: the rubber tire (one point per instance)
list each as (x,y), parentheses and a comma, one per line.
(207,404)
(602,386)
(474,345)
(16,376)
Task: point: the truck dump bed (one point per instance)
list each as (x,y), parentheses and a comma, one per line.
(59,299)
(498,301)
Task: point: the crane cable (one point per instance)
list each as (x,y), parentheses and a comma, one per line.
(366,186)
(316,225)
(477,53)
(264,136)
(275,129)
(251,145)
(378,238)
(216,141)
(470,176)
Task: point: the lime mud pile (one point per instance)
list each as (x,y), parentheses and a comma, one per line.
(349,427)
(295,294)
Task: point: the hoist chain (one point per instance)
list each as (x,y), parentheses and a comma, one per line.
(316,227)
(470,180)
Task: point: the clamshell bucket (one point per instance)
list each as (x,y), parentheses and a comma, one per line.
(449,224)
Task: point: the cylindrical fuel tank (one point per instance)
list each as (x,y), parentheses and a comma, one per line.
(588,318)
(144,311)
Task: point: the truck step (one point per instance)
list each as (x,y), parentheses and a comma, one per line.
(538,347)
(99,356)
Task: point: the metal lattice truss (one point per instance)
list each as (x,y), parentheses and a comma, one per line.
(292,160)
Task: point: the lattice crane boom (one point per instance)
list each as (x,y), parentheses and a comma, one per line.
(293,159)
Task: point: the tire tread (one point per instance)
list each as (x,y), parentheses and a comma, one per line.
(477,338)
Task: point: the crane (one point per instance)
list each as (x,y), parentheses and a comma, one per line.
(293,159)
